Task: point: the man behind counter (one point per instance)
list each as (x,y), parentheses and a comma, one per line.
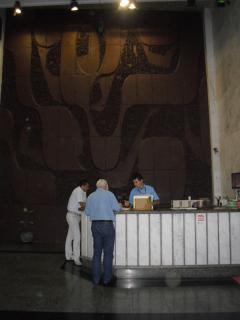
(141,189)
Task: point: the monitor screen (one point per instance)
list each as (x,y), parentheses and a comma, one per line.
(236,180)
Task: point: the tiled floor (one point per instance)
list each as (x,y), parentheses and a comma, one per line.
(35,282)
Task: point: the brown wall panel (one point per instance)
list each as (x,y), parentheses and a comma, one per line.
(101,96)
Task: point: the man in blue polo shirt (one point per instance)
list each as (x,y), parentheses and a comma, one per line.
(101,207)
(141,189)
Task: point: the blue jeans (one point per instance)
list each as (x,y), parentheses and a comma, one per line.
(103,240)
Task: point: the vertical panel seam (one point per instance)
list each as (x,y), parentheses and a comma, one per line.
(115,246)
(138,240)
(230,237)
(184,240)
(195,231)
(160,221)
(126,242)
(173,261)
(207,236)
(218,235)
(149,240)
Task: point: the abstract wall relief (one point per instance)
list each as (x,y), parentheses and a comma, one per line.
(104,99)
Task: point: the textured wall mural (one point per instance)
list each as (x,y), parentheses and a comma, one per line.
(102,94)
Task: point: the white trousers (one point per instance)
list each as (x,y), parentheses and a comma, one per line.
(72,245)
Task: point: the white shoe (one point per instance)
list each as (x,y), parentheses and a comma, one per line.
(78,263)
(69,259)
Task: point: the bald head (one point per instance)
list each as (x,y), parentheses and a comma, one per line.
(102,183)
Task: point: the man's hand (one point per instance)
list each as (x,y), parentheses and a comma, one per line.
(126,204)
(82,206)
(156,203)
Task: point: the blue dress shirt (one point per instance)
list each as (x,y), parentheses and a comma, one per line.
(101,205)
(146,190)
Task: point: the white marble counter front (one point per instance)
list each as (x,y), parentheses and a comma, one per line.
(172,238)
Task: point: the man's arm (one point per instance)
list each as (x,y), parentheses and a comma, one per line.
(87,208)
(81,200)
(156,202)
(131,197)
(129,203)
(156,199)
(115,204)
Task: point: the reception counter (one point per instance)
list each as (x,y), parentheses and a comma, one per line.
(157,241)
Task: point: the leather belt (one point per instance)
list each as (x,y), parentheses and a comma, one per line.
(78,214)
(107,221)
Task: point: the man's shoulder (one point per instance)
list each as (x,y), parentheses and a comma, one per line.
(105,193)
(149,187)
(110,193)
(74,191)
(92,194)
(77,189)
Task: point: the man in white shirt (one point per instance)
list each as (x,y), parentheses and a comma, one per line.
(76,205)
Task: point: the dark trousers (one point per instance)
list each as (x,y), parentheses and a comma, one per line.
(103,241)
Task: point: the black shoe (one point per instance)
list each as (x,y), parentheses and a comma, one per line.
(77,263)
(111,283)
(96,284)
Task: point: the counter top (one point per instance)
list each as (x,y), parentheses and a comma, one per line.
(171,238)
(169,210)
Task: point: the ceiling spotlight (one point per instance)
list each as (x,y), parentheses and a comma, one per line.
(74,6)
(132,5)
(124,4)
(222,3)
(17,10)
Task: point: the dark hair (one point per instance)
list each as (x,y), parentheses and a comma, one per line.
(83,182)
(137,176)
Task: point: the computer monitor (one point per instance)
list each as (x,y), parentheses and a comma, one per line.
(236,180)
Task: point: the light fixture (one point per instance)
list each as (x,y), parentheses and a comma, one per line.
(132,5)
(74,6)
(17,10)
(222,3)
(124,4)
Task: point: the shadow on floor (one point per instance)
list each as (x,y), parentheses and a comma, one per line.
(84,272)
